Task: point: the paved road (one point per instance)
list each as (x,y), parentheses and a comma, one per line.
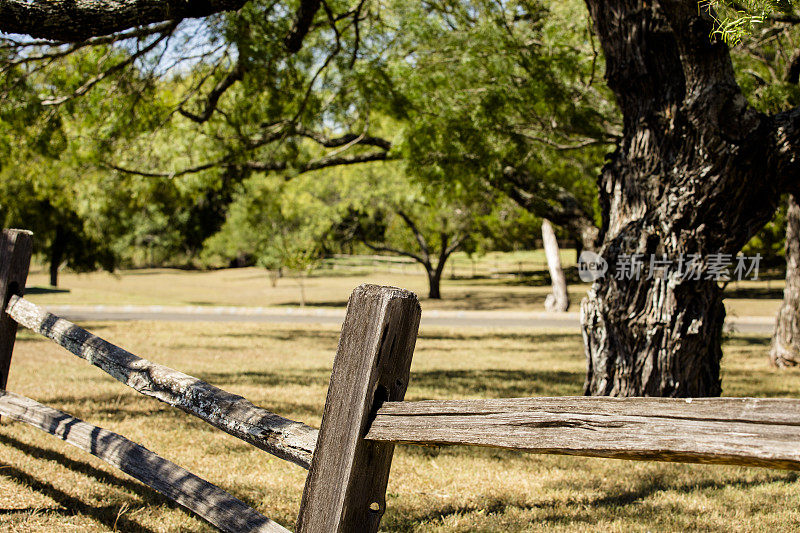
(466,319)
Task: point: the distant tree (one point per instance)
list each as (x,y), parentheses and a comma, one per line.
(67,232)
(390,212)
(558,300)
(505,95)
(785,348)
(284,226)
(766,36)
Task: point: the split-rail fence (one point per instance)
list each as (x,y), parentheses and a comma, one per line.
(349,457)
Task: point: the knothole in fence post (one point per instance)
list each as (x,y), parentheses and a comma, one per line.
(346,485)
(15,258)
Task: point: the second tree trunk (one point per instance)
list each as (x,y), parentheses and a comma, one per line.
(785,349)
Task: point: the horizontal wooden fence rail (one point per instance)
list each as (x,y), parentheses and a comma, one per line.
(218,507)
(284,438)
(737,431)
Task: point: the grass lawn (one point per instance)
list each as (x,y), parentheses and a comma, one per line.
(45,485)
(251,287)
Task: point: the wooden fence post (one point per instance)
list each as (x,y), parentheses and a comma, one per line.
(346,485)
(15,258)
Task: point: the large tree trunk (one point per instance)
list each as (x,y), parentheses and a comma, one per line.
(558,301)
(697,172)
(785,349)
(57,249)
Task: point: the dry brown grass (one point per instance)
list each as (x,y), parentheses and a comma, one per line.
(250,287)
(45,485)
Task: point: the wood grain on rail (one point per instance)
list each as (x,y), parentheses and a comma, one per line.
(284,438)
(738,431)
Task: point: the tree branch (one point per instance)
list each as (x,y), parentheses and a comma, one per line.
(176,174)
(91,82)
(786,146)
(302,23)
(213,97)
(348,138)
(59,49)
(547,200)
(397,252)
(458,241)
(325,162)
(258,166)
(417,234)
(78,20)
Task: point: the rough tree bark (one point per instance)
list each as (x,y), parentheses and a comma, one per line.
(785,349)
(78,20)
(558,301)
(698,171)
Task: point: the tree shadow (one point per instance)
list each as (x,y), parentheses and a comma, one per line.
(145,493)
(534,338)
(282,334)
(455,298)
(754,293)
(302,378)
(496,383)
(119,406)
(108,515)
(336,304)
(740,339)
(628,500)
(45,290)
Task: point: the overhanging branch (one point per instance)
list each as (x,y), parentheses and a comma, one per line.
(213,97)
(257,166)
(78,20)
(91,82)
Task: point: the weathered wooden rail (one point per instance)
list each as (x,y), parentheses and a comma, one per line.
(364,416)
(287,439)
(736,431)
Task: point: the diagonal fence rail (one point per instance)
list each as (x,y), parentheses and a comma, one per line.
(284,438)
(178,484)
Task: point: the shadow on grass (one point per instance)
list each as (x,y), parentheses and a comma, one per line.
(484,300)
(462,383)
(754,293)
(117,406)
(740,339)
(110,516)
(627,503)
(336,304)
(536,338)
(282,334)
(495,382)
(44,290)
(147,495)
(133,406)
(302,378)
